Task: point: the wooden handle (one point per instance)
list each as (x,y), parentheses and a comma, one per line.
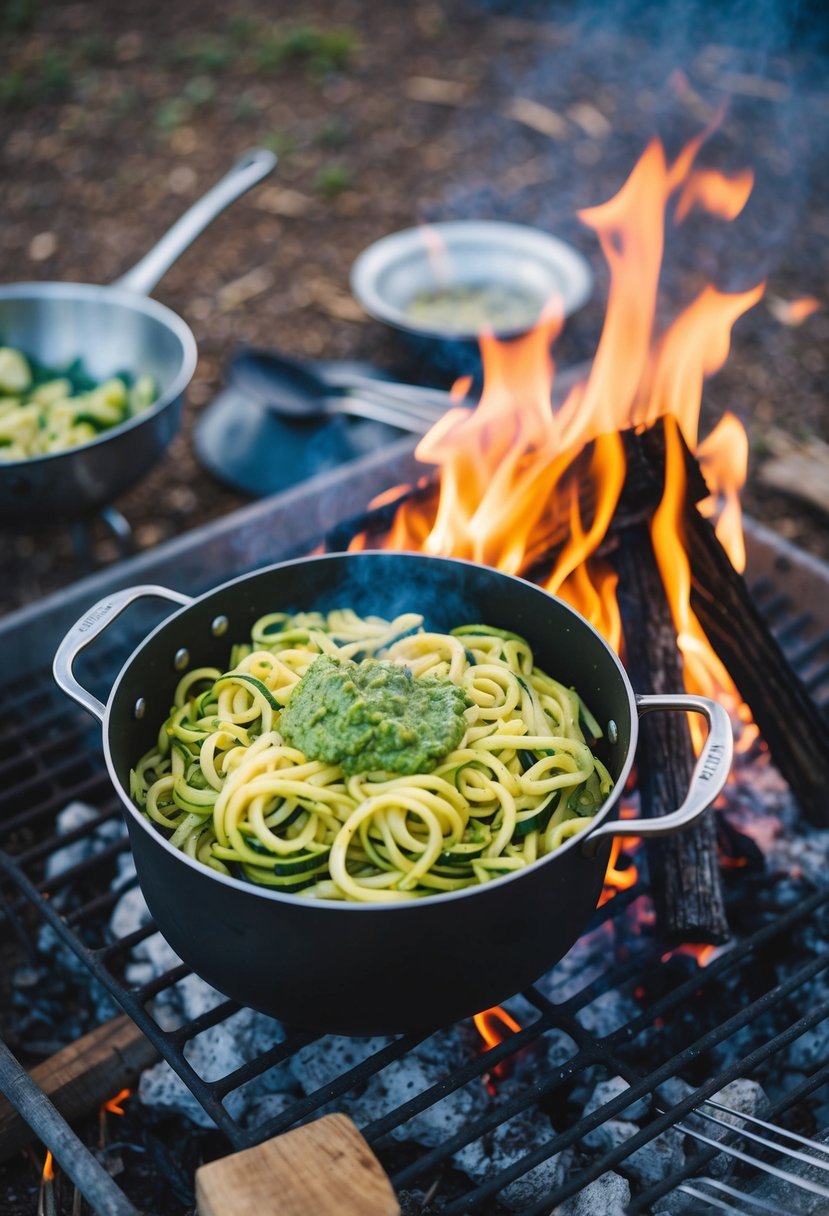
(325,1168)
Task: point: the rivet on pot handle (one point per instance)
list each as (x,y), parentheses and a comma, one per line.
(93,623)
(707,781)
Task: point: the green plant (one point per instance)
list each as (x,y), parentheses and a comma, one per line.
(242,29)
(55,75)
(122,103)
(15,90)
(199,91)
(332,180)
(246,108)
(335,133)
(171,113)
(94,48)
(322,51)
(205,54)
(18,14)
(280,142)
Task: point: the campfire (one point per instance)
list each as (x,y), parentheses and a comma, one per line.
(691,976)
(614,502)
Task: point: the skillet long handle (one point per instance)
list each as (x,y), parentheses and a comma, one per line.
(90,625)
(707,780)
(247,171)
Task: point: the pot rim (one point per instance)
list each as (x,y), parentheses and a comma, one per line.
(441,898)
(132,302)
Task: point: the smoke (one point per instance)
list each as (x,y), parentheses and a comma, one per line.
(575,92)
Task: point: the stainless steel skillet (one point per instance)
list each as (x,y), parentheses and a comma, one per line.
(111,329)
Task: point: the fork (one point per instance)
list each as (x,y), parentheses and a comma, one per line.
(724,1194)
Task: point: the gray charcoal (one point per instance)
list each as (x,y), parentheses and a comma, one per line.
(268,1107)
(810,1050)
(73,816)
(778,1194)
(673,1091)
(215,1053)
(610,1134)
(648,1164)
(609,1195)
(656,1159)
(406,1078)
(742,1096)
(609,1011)
(507,1144)
(325,1059)
(676,1203)
(607,1090)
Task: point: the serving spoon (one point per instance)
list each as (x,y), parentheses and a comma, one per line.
(290,388)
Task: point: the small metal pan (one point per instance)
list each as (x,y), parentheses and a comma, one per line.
(111,329)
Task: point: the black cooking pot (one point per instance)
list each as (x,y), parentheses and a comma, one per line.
(364,969)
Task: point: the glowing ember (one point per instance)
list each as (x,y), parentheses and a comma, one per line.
(794,312)
(115,1105)
(703,953)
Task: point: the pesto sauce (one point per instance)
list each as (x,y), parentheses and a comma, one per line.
(373,716)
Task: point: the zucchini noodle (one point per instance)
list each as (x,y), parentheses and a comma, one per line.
(230,792)
(43,411)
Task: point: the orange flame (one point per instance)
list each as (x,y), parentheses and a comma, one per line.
(492,1025)
(48,1169)
(518,480)
(616,879)
(115,1105)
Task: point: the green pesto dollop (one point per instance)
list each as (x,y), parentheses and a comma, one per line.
(372,716)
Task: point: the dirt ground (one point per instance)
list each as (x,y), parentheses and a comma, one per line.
(114,118)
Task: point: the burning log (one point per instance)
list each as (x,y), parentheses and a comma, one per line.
(80,1077)
(684,871)
(796,733)
(786,716)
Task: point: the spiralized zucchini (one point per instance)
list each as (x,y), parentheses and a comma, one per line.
(43,411)
(229,791)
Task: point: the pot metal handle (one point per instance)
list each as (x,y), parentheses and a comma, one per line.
(92,623)
(247,171)
(707,780)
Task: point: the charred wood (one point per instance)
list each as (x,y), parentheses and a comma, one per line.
(788,719)
(684,869)
(78,1078)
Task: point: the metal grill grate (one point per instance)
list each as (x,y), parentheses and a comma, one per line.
(750,997)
